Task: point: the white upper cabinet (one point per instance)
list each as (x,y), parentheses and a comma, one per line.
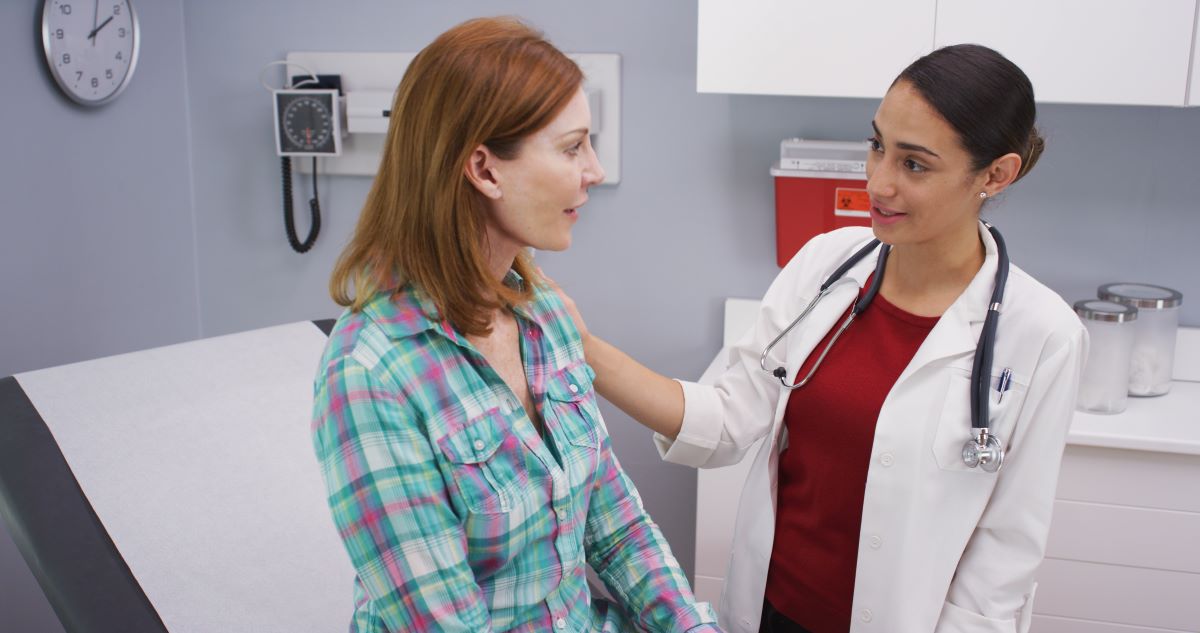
(833,48)
(1135,52)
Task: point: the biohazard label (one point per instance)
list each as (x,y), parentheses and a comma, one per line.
(854,203)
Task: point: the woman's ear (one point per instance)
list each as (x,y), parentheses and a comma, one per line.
(1001,173)
(481,171)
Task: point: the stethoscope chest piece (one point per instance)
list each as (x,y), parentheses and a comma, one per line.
(984,451)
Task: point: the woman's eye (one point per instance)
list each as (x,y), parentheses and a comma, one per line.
(874,144)
(574,149)
(913,166)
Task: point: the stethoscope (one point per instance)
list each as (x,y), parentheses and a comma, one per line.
(983,449)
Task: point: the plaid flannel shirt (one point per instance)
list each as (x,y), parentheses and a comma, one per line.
(456,514)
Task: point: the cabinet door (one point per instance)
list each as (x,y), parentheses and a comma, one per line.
(1134,52)
(849,48)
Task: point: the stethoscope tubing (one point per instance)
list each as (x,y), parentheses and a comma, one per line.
(981,369)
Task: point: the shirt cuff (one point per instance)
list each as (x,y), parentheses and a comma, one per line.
(701,619)
(701,431)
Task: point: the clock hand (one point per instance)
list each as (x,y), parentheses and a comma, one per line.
(95,14)
(92,35)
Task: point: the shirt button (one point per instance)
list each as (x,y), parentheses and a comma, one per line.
(886,459)
(560,624)
(865,615)
(479,445)
(876,542)
(574,388)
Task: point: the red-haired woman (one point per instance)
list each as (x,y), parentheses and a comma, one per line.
(469,473)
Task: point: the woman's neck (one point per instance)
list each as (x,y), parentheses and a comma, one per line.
(926,278)
(501,252)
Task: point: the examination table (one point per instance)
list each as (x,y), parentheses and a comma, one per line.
(175,489)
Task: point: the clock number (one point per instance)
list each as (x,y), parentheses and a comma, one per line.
(58,34)
(78,75)
(116,9)
(119,57)
(108,73)
(121,32)
(95,82)
(66,58)
(65,8)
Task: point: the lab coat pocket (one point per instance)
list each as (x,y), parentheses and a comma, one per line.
(485,461)
(954,423)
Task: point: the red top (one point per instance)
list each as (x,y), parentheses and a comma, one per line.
(823,471)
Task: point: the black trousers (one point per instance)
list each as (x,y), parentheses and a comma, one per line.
(776,622)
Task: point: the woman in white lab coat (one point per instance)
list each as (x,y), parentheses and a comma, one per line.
(859,512)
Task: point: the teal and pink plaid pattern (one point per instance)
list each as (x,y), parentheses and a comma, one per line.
(456,514)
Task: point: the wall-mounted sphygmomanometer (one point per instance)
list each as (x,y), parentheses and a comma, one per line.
(308,124)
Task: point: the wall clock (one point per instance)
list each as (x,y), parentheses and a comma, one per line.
(91,47)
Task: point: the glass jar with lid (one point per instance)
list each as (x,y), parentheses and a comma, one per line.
(1104,385)
(1153,355)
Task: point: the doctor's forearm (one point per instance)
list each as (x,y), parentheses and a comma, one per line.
(652,399)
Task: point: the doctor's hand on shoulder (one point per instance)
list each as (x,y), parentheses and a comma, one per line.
(652,399)
(569,304)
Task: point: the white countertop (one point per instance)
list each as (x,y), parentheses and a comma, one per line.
(1168,423)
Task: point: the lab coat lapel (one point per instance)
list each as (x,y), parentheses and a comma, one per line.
(829,311)
(957,332)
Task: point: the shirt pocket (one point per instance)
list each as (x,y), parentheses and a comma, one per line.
(572,400)
(954,422)
(485,462)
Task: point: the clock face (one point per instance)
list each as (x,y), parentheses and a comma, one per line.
(91,47)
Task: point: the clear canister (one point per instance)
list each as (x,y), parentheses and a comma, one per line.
(1104,386)
(1154,347)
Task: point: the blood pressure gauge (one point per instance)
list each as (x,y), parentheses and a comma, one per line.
(307,123)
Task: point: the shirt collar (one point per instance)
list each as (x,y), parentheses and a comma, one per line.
(409,310)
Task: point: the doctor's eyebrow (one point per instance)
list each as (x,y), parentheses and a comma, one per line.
(912,147)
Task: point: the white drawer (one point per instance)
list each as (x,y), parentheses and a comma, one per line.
(1121,535)
(1167,481)
(1121,595)
(1050,624)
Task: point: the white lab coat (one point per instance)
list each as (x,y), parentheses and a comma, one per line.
(943,547)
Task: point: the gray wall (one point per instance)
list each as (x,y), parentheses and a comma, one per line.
(97,253)
(97,249)
(105,263)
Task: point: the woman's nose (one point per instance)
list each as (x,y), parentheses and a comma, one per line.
(593,174)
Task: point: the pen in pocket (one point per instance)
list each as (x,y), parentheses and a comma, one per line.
(1004,383)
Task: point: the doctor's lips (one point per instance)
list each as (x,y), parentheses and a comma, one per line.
(885,214)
